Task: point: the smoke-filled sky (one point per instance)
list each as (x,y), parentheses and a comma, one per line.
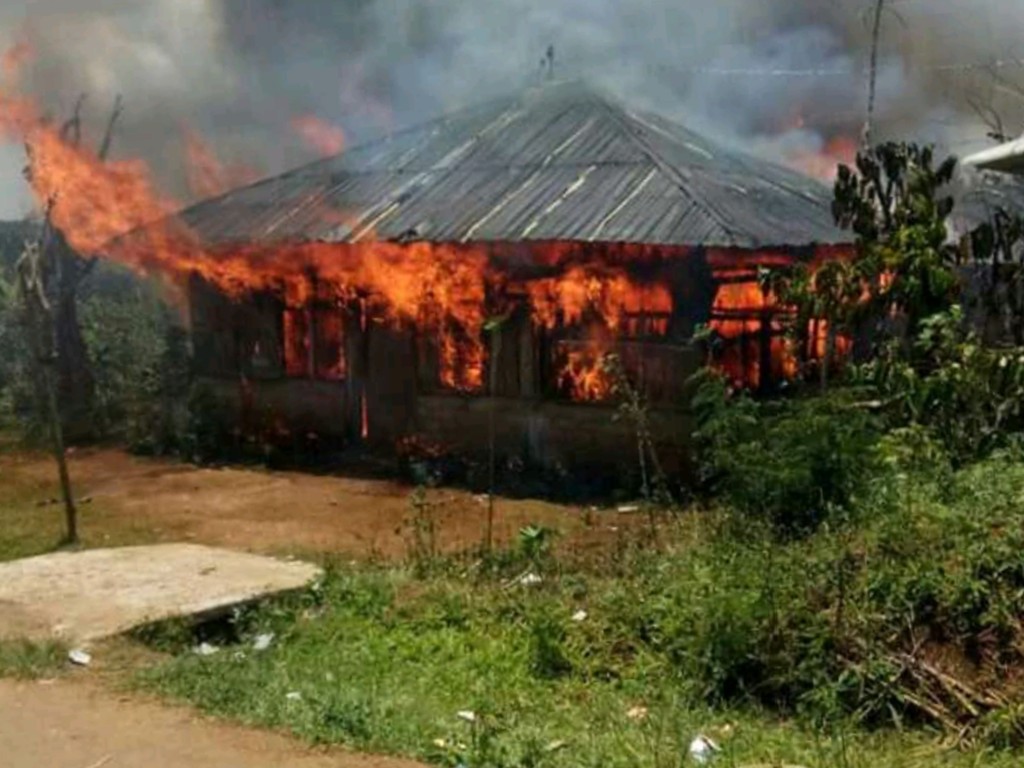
(238,71)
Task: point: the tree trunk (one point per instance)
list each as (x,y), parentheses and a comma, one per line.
(76,385)
(830,351)
(57,439)
(40,330)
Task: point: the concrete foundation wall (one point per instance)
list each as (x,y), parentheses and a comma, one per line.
(301,405)
(538,432)
(550,434)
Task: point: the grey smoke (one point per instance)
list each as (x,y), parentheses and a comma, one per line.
(239,70)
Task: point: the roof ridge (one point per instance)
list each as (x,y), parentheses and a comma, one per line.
(624,121)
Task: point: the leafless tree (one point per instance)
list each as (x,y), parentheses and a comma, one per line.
(74,379)
(36,285)
(986,105)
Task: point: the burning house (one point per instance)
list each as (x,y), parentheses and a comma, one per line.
(480,267)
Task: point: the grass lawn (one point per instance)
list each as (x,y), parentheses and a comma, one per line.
(383,660)
(32,516)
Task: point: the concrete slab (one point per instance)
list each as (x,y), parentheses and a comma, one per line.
(81,596)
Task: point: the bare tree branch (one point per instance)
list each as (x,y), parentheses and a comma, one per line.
(71,131)
(108,135)
(990,116)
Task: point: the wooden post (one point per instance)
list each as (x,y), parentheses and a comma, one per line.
(495,334)
(765,348)
(311,308)
(873,72)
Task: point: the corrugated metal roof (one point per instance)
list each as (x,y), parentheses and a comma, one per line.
(1007,157)
(559,162)
(981,195)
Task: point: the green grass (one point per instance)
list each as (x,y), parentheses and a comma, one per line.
(382,661)
(32,516)
(29,524)
(27,660)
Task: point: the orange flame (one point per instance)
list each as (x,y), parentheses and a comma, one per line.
(322,137)
(824,165)
(207,175)
(445,291)
(583,376)
(14,58)
(603,302)
(609,295)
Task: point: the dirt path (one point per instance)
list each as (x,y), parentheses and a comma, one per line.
(132,498)
(70,724)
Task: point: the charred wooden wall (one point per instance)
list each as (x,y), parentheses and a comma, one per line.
(390,387)
(551,434)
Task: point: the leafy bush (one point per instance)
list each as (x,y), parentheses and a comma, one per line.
(793,464)
(968,396)
(548,655)
(912,614)
(140,361)
(138,354)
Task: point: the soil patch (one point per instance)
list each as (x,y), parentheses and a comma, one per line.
(136,499)
(70,724)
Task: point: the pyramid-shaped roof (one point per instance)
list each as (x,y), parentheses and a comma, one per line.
(557,162)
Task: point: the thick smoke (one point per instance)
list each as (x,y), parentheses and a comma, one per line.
(238,71)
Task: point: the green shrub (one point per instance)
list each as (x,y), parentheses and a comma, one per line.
(833,624)
(548,656)
(968,396)
(28,660)
(18,395)
(793,464)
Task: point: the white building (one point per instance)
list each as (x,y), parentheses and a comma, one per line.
(1008,157)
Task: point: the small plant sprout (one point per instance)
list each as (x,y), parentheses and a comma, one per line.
(535,542)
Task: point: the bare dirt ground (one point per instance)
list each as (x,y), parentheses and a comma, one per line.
(277,512)
(71,724)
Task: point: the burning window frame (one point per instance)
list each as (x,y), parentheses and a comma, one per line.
(563,308)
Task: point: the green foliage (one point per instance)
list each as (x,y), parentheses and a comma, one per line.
(548,656)
(27,660)
(998,274)
(831,292)
(139,357)
(535,543)
(968,396)
(869,621)
(894,202)
(792,464)
(903,270)
(140,360)
(816,628)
